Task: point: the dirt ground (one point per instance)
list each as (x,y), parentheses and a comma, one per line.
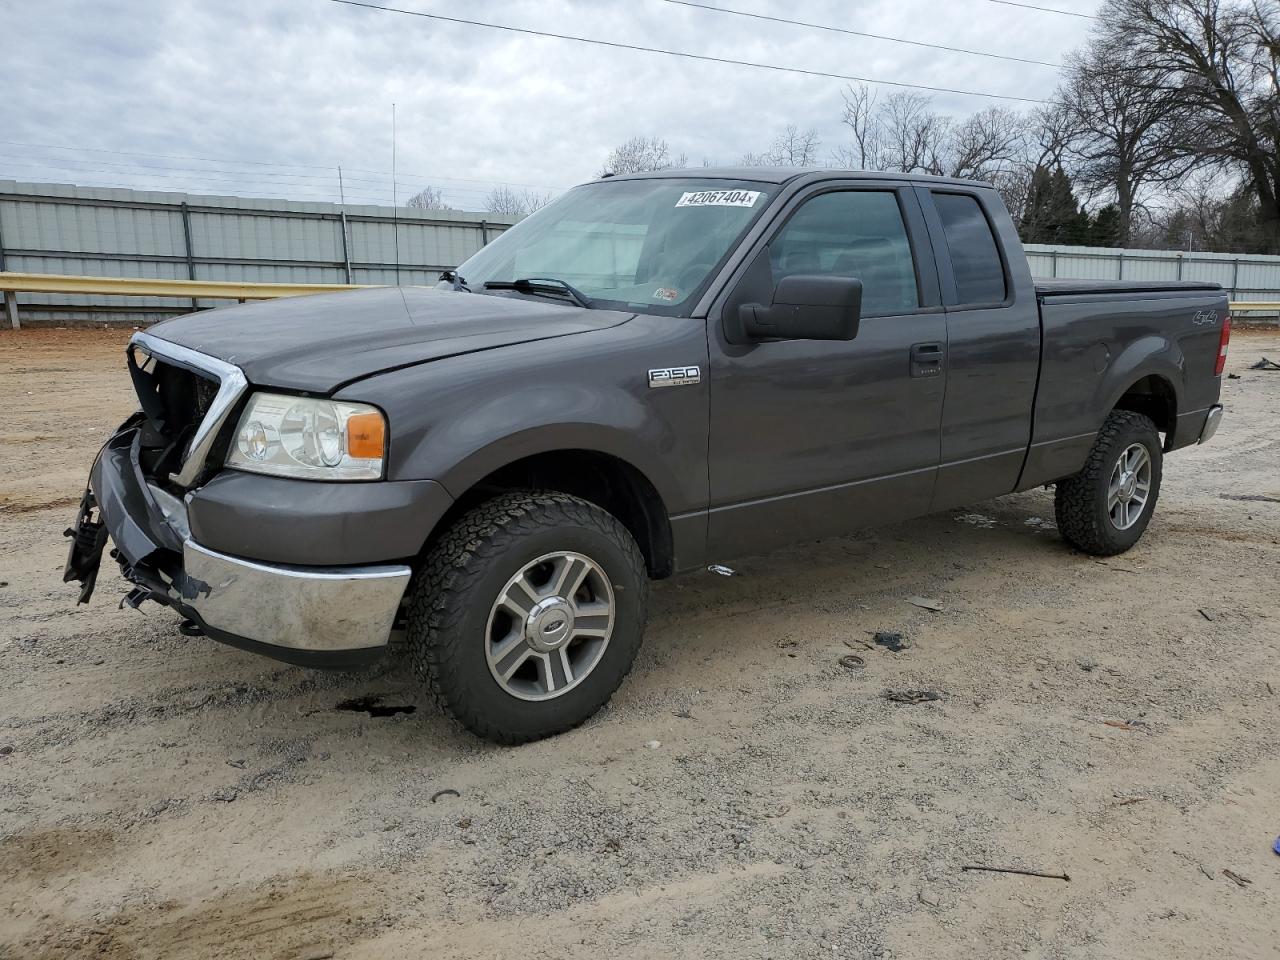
(745,795)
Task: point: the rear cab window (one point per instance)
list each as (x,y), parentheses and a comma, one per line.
(975,257)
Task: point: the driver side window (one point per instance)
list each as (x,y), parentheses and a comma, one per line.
(852,233)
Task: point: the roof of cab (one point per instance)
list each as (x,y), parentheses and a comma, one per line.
(786,174)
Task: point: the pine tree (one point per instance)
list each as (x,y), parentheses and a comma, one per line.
(1052,213)
(1104,230)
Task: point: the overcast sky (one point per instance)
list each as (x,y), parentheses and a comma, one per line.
(279,92)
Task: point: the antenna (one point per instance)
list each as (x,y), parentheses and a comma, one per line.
(395,207)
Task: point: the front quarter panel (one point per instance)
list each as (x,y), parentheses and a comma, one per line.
(457,420)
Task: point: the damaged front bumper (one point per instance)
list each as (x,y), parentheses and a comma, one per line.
(317,616)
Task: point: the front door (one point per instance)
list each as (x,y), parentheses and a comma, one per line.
(815,438)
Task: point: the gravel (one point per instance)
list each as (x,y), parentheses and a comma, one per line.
(744,795)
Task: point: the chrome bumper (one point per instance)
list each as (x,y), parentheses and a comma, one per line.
(1211,423)
(319,616)
(315,609)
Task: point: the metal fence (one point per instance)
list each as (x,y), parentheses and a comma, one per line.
(1250,277)
(90,231)
(50,228)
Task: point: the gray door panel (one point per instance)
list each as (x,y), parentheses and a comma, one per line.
(993,358)
(993,346)
(812,438)
(815,438)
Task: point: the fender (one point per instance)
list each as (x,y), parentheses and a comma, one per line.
(1062,452)
(519,441)
(456,421)
(1151,355)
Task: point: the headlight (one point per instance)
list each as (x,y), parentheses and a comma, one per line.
(312,439)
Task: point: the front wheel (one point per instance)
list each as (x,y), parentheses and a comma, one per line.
(528,614)
(1105,508)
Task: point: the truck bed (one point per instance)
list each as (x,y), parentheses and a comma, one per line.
(1100,338)
(1057,288)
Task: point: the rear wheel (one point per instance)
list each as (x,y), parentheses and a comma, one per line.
(1105,508)
(528,614)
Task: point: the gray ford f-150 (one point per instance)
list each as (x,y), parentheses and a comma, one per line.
(653,372)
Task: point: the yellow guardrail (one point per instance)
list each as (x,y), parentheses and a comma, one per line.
(13,283)
(131,287)
(1263,307)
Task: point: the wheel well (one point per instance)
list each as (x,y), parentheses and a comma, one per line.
(608,482)
(1153,397)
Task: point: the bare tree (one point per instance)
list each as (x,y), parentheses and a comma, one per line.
(1051,129)
(913,138)
(860,116)
(986,143)
(640,154)
(514,203)
(1048,133)
(1130,127)
(1221,62)
(790,148)
(428,198)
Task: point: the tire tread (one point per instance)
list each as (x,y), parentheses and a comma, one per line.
(446,586)
(1075,497)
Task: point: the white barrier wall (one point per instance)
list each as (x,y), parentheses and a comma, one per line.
(92,231)
(1250,277)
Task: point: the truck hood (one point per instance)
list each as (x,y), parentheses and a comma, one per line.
(320,342)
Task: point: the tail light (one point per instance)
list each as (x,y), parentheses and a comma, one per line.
(1223,341)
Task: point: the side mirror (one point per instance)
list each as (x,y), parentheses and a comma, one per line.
(806,308)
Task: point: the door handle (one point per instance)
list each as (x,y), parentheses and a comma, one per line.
(926,359)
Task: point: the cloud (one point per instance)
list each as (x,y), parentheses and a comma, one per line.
(302,86)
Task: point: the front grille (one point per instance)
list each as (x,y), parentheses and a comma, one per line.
(176,401)
(206,390)
(187,398)
(184,398)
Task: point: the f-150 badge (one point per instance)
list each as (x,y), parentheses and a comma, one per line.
(675,376)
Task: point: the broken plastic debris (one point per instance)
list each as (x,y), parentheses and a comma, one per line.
(894,642)
(912,696)
(925,603)
(1276,848)
(1265,364)
(977,520)
(722,570)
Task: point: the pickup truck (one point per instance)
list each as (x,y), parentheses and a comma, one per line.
(654,372)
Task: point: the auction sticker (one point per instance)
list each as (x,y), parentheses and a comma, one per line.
(719,198)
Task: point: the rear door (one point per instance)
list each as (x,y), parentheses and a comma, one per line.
(812,438)
(993,344)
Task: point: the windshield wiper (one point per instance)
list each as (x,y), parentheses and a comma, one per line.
(545,285)
(456,280)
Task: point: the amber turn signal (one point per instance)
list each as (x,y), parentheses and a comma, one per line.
(366,435)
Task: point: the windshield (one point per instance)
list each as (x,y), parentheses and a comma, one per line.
(649,245)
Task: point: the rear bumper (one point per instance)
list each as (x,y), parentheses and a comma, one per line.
(1212,420)
(313,615)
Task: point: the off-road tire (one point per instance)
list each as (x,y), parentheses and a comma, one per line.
(1080,502)
(461,578)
